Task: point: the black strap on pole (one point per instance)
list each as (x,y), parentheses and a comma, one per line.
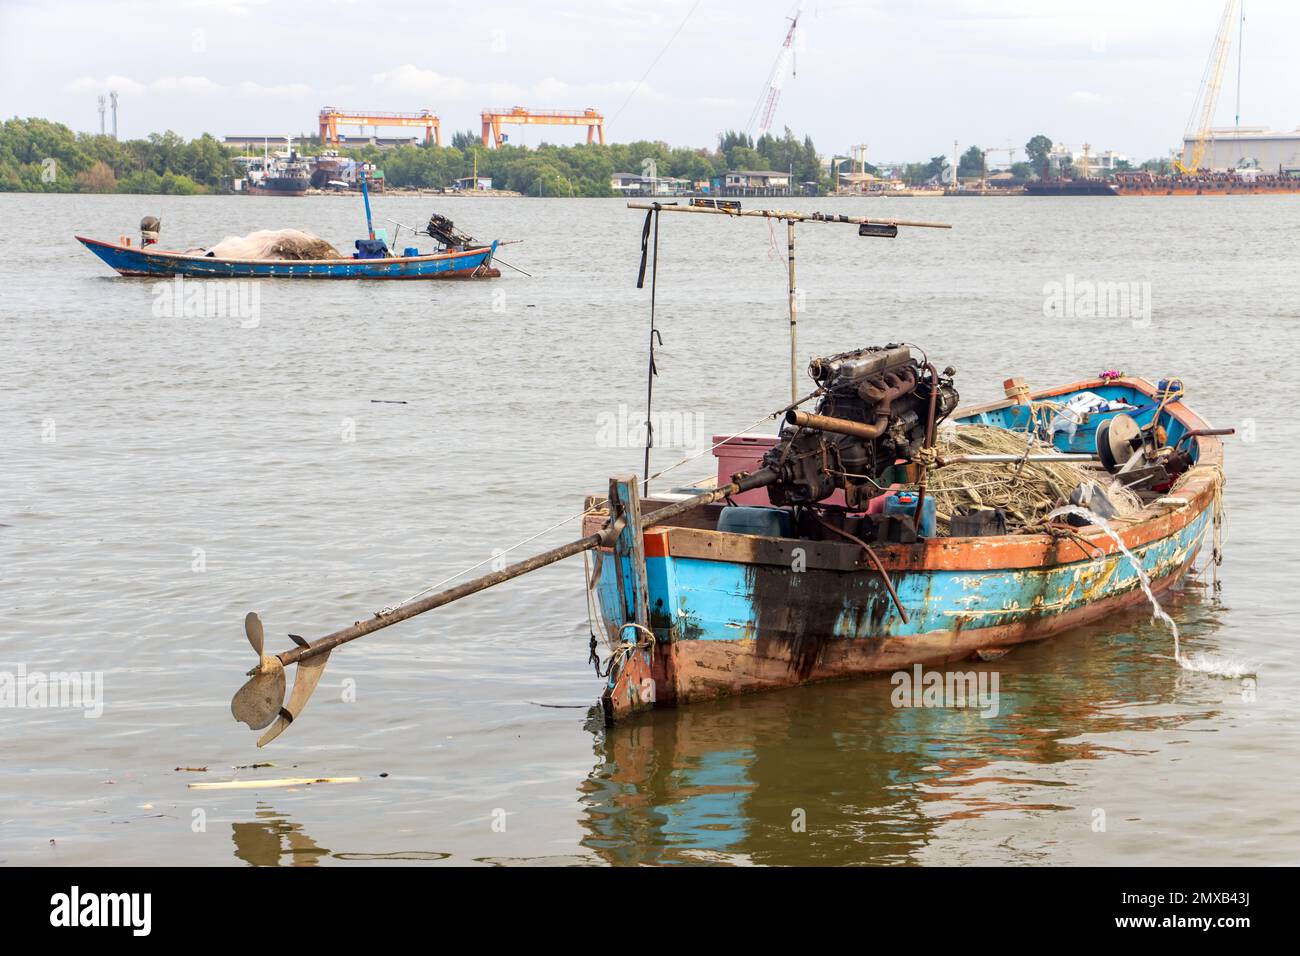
(652,370)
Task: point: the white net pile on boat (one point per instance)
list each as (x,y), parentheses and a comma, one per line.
(1026,492)
(275,244)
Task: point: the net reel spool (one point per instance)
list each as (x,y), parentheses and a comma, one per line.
(1118,440)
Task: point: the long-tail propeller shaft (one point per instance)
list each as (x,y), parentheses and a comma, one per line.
(260,702)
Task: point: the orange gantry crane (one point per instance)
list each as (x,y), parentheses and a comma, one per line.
(331,119)
(493,120)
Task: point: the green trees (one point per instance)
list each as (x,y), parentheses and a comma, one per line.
(916,173)
(971,162)
(586,169)
(39,156)
(1037,149)
(464,140)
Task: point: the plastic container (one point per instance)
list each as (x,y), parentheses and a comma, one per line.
(904,503)
(411,251)
(744,519)
(742,453)
(745,453)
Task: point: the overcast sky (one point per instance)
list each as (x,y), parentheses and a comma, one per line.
(906,77)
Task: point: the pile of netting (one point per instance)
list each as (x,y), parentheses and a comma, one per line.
(1025,491)
(275,244)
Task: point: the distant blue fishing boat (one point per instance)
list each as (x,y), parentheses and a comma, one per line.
(127,260)
(292,254)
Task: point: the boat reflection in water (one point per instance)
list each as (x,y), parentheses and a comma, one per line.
(732,780)
(272,839)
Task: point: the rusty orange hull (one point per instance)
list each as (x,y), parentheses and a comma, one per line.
(703,670)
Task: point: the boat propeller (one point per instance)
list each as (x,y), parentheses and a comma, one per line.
(260,702)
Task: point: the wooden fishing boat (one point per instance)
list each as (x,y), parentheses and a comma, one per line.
(461,256)
(705,592)
(729,613)
(127,260)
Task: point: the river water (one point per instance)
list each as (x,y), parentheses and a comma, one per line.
(319,450)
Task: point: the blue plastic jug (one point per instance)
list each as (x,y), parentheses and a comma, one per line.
(904,503)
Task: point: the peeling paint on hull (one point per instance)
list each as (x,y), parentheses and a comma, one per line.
(730,615)
(737,628)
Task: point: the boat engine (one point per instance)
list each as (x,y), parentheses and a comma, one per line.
(150,226)
(874,412)
(444,231)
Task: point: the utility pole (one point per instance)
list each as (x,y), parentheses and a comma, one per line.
(102,108)
(112,98)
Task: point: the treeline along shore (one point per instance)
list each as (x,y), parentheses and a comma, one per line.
(37,155)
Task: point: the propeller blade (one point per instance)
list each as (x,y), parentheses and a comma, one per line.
(258,702)
(304,685)
(253,628)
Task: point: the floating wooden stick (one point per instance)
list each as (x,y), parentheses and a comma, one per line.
(263,784)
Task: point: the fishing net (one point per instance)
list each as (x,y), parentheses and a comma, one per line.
(1025,491)
(275,244)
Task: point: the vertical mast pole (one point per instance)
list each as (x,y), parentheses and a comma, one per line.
(794,318)
(1241,42)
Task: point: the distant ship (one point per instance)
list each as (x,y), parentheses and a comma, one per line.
(1237,182)
(283,177)
(1071,187)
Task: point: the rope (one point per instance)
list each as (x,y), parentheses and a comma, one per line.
(635,89)
(598,506)
(620,654)
(489,558)
(593,657)
(652,370)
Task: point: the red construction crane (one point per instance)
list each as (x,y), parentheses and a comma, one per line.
(331,119)
(493,120)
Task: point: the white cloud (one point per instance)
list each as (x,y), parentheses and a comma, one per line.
(238,8)
(186,84)
(505,95)
(122,84)
(410,80)
(249,88)
(1084,96)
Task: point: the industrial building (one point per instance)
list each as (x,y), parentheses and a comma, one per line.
(756,182)
(1272,151)
(1085,162)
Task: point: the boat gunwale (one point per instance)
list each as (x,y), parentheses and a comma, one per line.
(990,553)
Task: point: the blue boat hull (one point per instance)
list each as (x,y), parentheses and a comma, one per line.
(734,613)
(134,261)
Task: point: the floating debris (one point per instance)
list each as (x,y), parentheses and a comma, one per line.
(266,784)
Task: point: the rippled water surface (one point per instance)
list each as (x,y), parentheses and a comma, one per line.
(164,474)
